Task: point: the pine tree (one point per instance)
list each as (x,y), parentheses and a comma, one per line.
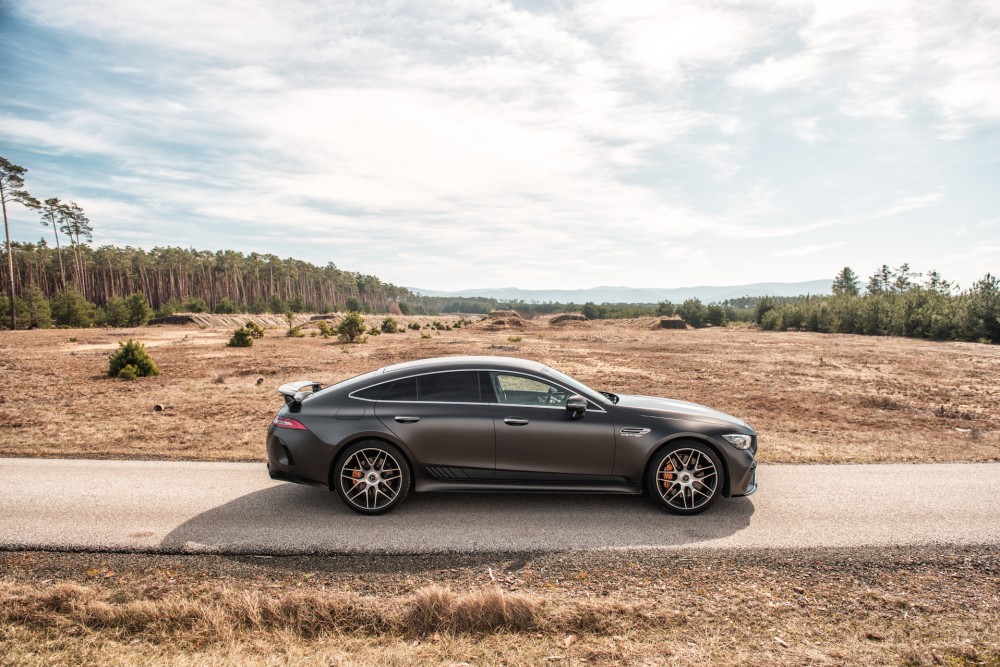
(846,282)
(12,190)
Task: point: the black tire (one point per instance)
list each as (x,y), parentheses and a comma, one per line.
(685,477)
(371,477)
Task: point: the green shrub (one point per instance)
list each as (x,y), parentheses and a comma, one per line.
(374,331)
(351,327)
(195,305)
(325,329)
(70,308)
(414,326)
(139,310)
(772,321)
(115,312)
(128,372)
(134,354)
(693,312)
(256,331)
(226,307)
(390,325)
(242,337)
(295,332)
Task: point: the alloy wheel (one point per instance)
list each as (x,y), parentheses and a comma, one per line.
(687,479)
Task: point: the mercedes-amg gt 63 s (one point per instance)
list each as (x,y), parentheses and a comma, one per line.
(502,424)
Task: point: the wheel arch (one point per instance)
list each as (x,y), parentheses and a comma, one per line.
(379,437)
(679,438)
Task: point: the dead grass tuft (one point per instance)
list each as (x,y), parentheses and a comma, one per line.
(881,403)
(436,609)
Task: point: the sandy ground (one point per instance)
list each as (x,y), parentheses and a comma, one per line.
(812,397)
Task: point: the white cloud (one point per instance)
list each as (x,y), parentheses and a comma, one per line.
(776,73)
(802,251)
(484,134)
(907,204)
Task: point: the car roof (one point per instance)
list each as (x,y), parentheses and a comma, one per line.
(463,361)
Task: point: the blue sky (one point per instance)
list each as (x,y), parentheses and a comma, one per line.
(452,145)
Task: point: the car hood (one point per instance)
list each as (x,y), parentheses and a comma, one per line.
(668,408)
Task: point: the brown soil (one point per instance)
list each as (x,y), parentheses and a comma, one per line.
(812,397)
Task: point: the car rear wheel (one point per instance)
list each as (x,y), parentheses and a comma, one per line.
(685,478)
(372,477)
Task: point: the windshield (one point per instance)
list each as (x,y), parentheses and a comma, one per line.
(577,386)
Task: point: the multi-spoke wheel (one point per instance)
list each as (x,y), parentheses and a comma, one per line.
(372,477)
(685,478)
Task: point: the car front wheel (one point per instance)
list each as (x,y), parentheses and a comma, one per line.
(372,477)
(685,478)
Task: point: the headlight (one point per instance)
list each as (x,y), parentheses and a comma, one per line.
(739,441)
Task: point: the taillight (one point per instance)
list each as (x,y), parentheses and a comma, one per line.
(288,422)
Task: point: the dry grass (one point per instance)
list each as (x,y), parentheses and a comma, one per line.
(813,397)
(914,607)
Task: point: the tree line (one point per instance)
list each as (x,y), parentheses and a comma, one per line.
(895,302)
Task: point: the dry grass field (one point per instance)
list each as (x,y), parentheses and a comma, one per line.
(915,606)
(812,397)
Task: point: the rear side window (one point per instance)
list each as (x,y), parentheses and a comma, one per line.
(401,390)
(372,393)
(457,387)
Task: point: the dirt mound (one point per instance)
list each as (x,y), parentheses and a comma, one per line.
(502,320)
(213,321)
(566,318)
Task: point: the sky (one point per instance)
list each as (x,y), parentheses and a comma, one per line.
(464,144)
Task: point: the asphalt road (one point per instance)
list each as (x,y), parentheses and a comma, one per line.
(177,507)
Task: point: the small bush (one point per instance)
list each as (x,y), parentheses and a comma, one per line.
(389,325)
(374,331)
(351,327)
(134,354)
(425,335)
(242,337)
(128,372)
(414,326)
(325,329)
(295,332)
(514,339)
(256,331)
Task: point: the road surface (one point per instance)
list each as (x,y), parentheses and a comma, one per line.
(182,507)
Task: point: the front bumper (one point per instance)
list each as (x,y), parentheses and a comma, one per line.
(749,484)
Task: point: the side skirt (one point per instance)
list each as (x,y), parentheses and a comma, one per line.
(494,486)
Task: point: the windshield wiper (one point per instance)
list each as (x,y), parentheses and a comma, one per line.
(611,397)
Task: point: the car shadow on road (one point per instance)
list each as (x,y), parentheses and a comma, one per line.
(291,519)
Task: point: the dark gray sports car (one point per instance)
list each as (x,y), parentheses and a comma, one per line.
(503,424)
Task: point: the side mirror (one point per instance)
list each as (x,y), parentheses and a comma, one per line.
(576,405)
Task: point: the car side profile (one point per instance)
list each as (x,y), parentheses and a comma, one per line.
(503,424)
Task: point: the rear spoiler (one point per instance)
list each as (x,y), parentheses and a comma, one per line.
(294,392)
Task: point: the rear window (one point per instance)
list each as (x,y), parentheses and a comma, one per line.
(372,393)
(401,390)
(457,387)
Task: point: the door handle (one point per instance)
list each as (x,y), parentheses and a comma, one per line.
(406,419)
(515,421)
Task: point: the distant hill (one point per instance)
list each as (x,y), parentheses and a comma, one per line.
(706,293)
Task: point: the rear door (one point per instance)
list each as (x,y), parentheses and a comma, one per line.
(445,423)
(538,440)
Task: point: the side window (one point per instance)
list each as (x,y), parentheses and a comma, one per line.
(401,390)
(486,387)
(521,390)
(457,387)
